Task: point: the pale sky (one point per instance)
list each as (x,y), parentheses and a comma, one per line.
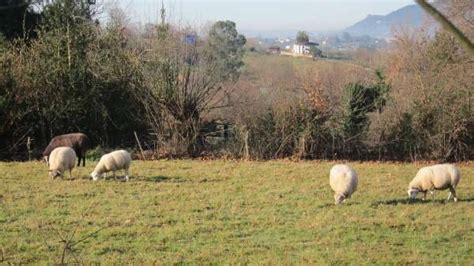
(262,15)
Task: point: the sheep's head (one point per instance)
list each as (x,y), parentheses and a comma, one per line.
(339,198)
(412,192)
(94,176)
(55,173)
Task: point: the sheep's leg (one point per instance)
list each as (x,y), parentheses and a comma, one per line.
(70,174)
(84,160)
(432,195)
(126,174)
(424,196)
(113,173)
(452,192)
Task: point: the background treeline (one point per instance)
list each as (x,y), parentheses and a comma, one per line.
(190,95)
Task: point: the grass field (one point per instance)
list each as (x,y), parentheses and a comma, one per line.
(277,212)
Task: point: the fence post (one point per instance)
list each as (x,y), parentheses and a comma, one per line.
(139,145)
(246,145)
(302,149)
(28,146)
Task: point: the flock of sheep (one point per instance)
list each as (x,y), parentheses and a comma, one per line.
(62,151)
(343,180)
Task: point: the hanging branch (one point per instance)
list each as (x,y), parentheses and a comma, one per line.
(447,25)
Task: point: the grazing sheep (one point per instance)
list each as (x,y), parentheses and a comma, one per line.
(436,177)
(113,161)
(60,160)
(343,180)
(77,141)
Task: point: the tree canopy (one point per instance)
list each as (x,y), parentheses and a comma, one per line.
(225,48)
(302,37)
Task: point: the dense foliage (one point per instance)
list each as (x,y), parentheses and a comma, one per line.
(73,77)
(18,19)
(188,95)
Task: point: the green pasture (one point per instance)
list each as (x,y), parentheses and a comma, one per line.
(230,212)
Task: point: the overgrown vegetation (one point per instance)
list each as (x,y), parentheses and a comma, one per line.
(73,77)
(189,96)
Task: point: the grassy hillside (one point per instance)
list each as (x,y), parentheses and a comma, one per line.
(274,212)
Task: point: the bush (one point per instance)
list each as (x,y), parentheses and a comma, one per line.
(95,154)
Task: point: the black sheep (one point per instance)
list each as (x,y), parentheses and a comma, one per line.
(79,142)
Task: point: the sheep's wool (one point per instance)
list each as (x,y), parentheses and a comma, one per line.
(60,160)
(435,177)
(114,161)
(343,181)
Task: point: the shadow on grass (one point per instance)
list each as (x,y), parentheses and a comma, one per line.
(394,202)
(154,179)
(176,179)
(328,205)
(67,179)
(165,179)
(398,202)
(471,199)
(118,178)
(84,177)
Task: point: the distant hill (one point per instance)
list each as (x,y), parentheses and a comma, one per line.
(381,26)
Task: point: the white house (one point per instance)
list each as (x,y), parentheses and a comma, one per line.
(303,48)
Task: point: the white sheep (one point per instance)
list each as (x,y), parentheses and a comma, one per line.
(343,180)
(114,161)
(60,160)
(436,177)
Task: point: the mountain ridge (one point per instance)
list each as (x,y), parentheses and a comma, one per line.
(381,26)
